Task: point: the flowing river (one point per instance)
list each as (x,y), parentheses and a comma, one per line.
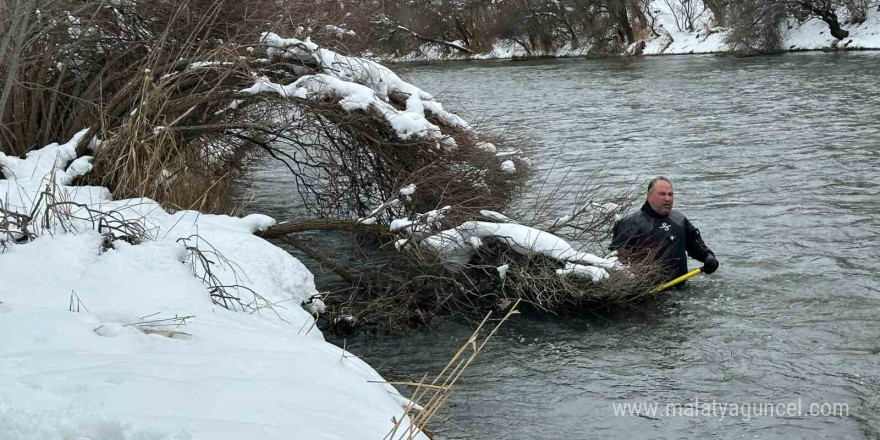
(777,161)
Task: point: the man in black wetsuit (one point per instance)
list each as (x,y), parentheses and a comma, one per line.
(657,228)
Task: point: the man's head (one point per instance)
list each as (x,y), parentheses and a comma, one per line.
(660,195)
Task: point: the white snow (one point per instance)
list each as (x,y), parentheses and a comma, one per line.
(810,35)
(814,34)
(126,343)
(26,178)
(339,32)
(408,190)
(508,153)
(41,163)
(315,305)
(200,64)
(399,224)
(288,47)
(508,166)
(420,223)
(360,84)
(496,216)
(352,96)
(595,273)
(456,244)
(487,147)
(388,204)
(433,216)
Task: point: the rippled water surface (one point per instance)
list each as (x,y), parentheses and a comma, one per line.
(775,159)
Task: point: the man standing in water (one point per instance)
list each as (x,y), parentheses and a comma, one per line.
(657,228)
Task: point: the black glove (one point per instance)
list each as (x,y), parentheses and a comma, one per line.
(711,264)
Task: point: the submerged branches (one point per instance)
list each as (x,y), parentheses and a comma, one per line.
(408,266)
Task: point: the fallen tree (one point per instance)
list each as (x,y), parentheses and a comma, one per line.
(410,267)
(296,226)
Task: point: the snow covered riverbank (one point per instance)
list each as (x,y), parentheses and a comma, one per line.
(810,35)
(112,328)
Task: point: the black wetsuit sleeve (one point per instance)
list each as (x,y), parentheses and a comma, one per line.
(620,235)
(694,244)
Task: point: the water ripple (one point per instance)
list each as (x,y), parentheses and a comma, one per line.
(776,160)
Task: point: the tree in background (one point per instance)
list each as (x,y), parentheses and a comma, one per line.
(755,26)
(686,13)
(467,26)
(825,10)
(719,10)
(857,10)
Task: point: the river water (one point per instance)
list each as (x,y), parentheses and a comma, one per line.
(775,159)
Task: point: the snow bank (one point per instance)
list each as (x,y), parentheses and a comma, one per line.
(126,342)
(810,35)
(25,178)
(814,34)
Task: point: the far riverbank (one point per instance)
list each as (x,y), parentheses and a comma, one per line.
(811,35)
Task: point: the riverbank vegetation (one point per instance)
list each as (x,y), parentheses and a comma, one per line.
(177,94)
(167,98)
(593,27)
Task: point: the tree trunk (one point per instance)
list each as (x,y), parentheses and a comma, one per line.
(295,226)
(623,23)
(826,13)
(463,31)
(563,17)
(435,41)
(644,8)
(524,46)
(571,32)
(640,15)
(280,231)
(719,10)
(11,50)
(325,261)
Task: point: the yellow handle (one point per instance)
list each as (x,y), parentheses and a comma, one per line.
(678,280)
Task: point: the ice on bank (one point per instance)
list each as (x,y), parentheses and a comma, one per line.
(111,327)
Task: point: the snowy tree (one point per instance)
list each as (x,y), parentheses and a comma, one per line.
(825,10)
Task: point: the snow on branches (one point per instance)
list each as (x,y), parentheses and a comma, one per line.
(457,246)
(360,85)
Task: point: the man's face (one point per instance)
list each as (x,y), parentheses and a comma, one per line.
(660,197)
